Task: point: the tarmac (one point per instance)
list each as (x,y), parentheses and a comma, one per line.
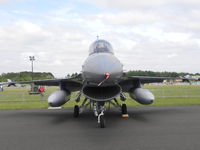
(147,128)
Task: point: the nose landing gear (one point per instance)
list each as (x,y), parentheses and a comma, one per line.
(99,113)
(101,121)
(99,108)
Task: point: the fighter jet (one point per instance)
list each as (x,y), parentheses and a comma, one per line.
(188,78)
(101,83)
(9,83)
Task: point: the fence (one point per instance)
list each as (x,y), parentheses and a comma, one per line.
(181,91)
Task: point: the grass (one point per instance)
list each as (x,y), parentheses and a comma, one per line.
(18,98)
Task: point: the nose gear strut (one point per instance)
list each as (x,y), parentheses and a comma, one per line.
(100,111)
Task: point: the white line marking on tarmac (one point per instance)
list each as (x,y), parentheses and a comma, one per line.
(55,108)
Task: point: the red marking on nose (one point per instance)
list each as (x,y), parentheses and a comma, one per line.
(107,75)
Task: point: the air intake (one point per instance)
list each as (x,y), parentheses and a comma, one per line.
(101,93)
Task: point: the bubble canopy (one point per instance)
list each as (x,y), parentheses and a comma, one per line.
(100,46)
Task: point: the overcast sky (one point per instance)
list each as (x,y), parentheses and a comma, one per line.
(158,35)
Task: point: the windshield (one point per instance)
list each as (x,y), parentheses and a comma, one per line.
(100,46)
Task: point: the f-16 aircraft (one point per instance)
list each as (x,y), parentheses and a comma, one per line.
(188,78)
(9,83)
(102,81)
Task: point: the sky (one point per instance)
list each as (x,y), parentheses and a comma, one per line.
(157,35)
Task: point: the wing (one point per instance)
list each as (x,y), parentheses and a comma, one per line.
(72,84)
(149,79)
(135,81)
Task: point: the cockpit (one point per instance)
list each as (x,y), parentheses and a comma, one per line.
(100,46)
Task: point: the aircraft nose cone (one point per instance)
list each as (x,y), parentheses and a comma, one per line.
(98,66)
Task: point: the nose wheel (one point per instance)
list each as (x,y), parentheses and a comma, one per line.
(101,121)
(99,113)
(76,111)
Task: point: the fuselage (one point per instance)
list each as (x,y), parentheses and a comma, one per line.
(100,64)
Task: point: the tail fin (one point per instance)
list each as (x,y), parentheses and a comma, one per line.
(9,80)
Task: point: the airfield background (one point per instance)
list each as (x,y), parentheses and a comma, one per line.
(169,94)
(165,95)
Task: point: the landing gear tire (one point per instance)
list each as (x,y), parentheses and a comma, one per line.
(124,109)
(76,111)
(102,122)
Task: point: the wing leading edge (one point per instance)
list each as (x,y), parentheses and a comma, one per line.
(72,84)
(149,79)
(136,81)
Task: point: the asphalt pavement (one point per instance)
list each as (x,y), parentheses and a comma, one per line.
(147,128)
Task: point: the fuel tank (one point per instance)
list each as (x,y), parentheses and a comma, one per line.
(142,96)
(59,98)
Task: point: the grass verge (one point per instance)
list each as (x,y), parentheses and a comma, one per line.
(165,96)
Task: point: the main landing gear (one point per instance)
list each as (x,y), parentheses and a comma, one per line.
(76,111)
(124,111)
(122,108)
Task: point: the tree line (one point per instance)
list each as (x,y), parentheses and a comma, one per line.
(159,74)
(150,73)
(27,76)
